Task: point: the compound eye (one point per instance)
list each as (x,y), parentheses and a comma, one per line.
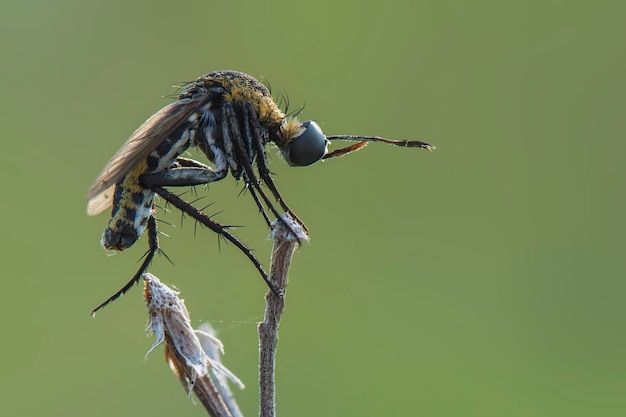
(309,147)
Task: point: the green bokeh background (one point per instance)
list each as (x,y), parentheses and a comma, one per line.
(483,279)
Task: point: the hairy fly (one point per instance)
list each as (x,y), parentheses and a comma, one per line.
(230,117)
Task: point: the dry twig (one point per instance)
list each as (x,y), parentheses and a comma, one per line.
(285,244)
(197,364)
(170,323)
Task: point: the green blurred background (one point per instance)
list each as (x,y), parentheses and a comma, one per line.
(483,279)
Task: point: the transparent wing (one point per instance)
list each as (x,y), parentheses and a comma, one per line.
(101,201)
(140,144)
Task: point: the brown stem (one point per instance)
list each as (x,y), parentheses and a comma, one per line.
(285,244)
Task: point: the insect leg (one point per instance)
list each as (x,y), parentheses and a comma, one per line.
(153,243)
(232,135)
(187,162)
(187,208)
(235,157)
(191,173)
(255,197)
(264,172)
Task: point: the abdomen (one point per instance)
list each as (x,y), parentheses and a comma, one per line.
(133,203)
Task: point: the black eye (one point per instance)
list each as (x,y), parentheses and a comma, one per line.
(309,147)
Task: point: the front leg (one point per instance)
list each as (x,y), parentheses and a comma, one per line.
(233,140)
(254,128)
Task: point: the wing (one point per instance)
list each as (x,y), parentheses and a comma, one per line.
(140,144)
(101,202)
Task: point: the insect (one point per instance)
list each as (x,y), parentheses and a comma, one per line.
(230,117)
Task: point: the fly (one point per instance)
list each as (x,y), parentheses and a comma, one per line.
(230,117)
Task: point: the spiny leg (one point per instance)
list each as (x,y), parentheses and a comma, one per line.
(153,247)
(258,202)
(195,173)
(264,171)
(187,208)
(231,134)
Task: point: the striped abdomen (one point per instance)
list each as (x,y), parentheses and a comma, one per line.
(132,203)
